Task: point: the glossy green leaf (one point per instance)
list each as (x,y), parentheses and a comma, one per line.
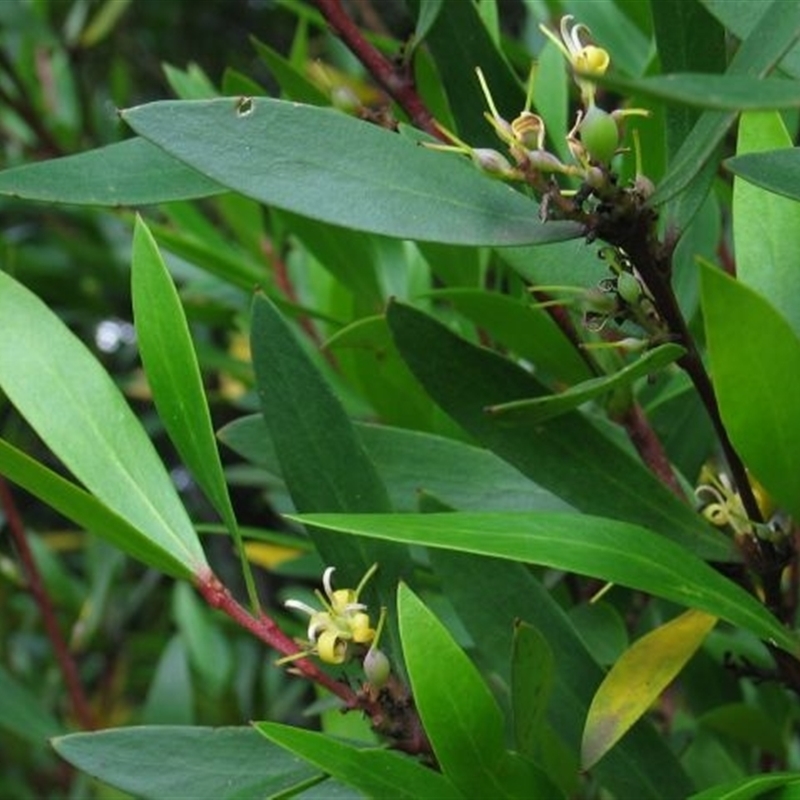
(170,363)
(751,788)
(376,772)
(721,92)
(750,725)
(320,163)
(757,378)
(776,170)
(766,227)
(491,595)
(773,35)
(130,173)
(540,409)
(87,511)
(22,713)
(154,762)
(637,679)
(322,460)
(459,714)
(568,456)
(613,551)
(73,404)
(527,330)
(462,475)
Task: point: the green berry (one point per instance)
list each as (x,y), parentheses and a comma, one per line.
(599,134)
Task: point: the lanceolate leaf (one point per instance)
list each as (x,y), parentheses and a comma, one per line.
(73,404)
(376,772)
(540,409)
(755,364)
(460,716)
(638,678)
(766,228)
(87,511)
(772,36)
(568,455)
(130,173)
(775,170)
(169,359)
(323,462)
(601,548)
(154,762)
(172,371)
(721,92)
(752,788)
(320,163)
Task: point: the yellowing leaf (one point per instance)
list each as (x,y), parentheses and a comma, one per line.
(638,678)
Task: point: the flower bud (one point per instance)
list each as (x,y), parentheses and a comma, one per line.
(628,288)
(377,667)
(599,134)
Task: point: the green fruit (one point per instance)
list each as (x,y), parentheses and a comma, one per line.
(599,134)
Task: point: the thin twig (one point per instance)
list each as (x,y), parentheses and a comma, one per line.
(66,662)
(396,81)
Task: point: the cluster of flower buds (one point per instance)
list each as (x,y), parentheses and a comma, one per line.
(593,140)
(623,297)
(342,628)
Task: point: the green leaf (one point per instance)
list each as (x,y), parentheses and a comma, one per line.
(776,170)
(459,714)
(462,475)
(75,407)
(22,713)
(750,788)
(130,173)
(766,228)
(526,329)
(170,363)
(757,378)
(459,41)
(688,38)
(705,90)
(491,595)
(532,679)
(567,456)
(637,679)
(293,83)
(540,409)
(85,510)
(154,762)
(323,462)
(376,772)
(600,548)
(323,164)
(773,35)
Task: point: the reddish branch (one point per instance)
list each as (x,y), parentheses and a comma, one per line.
(390,710)
(394,79)
(650,449)
(66,662)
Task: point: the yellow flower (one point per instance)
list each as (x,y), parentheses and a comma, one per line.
(585,59)
(340,621)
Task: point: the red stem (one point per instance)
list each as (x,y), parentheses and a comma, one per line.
(66,662)
(396,82)
(216,594)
